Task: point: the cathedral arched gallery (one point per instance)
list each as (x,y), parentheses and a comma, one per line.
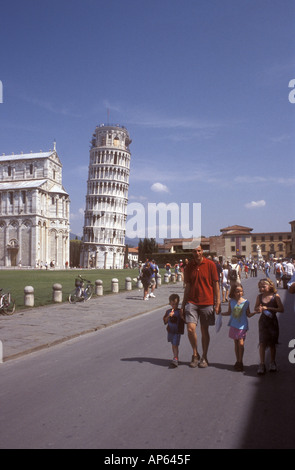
(34,211)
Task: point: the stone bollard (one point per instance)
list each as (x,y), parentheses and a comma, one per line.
(128,283)
(29,296)
(139,284)
(115,286)
(159,279)
(98,287)
(57,293)
(173,278)
(166,278)
(179,277)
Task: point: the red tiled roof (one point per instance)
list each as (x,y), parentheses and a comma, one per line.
(236,229)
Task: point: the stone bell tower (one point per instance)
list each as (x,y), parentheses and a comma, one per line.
(106,199)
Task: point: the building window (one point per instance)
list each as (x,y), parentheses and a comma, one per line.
(233,248)
(31,169)
(9,170)
(243,248)
(11,198)
(24,197)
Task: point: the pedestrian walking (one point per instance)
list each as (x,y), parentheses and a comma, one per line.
(153,278)
(255,269)
(175,327)
(279,271)
(268,303)
(156,270)
(291,285)
(234,272)
(185,264)
(168,269)
(225,282)
(266,269)
(246,269)
(239,312)
(252,269)
(288,273)
(146,277)
(201,301)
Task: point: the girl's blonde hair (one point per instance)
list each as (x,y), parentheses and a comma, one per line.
(270,283)
(233,289)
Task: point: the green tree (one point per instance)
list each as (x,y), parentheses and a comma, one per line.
(75,250)
(146,248)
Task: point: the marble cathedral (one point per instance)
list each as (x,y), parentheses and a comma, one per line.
(34,211)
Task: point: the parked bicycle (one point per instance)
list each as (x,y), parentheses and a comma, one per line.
(83,290)
(7,304)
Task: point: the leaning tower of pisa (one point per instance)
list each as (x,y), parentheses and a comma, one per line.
(106,199)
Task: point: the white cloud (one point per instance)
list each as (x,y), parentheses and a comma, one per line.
(77,215)
(51,107)
(159,188)
(286,181)
(255,204)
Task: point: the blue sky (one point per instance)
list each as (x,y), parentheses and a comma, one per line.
(201,85)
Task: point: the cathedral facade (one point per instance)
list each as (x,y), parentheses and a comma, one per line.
(34,211)
(106,199)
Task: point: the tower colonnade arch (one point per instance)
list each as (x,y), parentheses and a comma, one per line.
(106,199)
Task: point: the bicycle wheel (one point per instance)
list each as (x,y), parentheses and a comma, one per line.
(88,292)
(73,297)
(8,305)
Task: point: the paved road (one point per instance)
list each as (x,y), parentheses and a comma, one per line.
(34,329)
(113,389)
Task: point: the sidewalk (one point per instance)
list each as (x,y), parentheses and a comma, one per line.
(39,328)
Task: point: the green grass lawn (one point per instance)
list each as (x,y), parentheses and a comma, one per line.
(16,280)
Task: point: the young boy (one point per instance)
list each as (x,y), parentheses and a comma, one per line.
(175,327)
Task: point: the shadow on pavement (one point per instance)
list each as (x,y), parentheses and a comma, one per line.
(271,419)
(151,360)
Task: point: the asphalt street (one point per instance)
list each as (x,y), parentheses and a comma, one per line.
(38,328)
(112,388)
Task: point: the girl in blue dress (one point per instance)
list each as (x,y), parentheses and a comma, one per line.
(239,312)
